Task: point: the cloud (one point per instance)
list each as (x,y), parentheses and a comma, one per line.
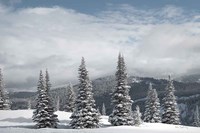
(171,11)
(154,42)
(10,3)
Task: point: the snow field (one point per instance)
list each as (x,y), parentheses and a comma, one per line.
(19,121)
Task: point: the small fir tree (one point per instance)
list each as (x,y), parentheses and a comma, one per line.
(29,104)
(2,88)
(121,101)
(58,104)
(70,99)
(170,113)
(7,103)
(85,114)
(137,116)
(4,98)
(1,101)
(196,117)
(98,110)
(152,106)
(103,112)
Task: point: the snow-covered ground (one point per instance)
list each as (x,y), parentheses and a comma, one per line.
(19,121)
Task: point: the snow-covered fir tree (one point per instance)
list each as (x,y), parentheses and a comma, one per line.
(70,99)
(121,101)
(7,103)
(137,116)
(98,110)
(1,91)
(152,106)
(4,98)
(85,114)
(51,109)
(170,113)
(58,104)
(196,117)
(39,86)
(43,115)
(1,101)
(29,104)
(103,111)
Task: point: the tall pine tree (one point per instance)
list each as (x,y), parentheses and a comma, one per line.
(39,86)
(196,117)
(85,115)
(43,115)
(51,109)
(58,104)
(4,98)
(1,91)
(152,106)
(122,103)
(70,99)
(170,113)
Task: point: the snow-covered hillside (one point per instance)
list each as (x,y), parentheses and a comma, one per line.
(19,121)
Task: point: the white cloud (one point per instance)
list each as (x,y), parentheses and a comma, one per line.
(171,11)
(56,38)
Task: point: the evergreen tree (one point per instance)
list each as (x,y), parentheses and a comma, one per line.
(121,114)
(98,110)
(1,91)
(58,104)
(70,99)
(170,113)
(1,102)
(43,115)
(4,98)
(85,115)
(152,106)
(29,104)
(39,86)
(103,109)
(51,109)
(196,117)
(137,116)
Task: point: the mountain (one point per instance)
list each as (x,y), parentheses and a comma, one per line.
(190,78)
(188,94)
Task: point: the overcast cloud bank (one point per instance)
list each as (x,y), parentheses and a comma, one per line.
(154,42)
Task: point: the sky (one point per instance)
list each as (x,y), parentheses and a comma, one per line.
(156,37)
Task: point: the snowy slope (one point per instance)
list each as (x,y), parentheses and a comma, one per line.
(19,121)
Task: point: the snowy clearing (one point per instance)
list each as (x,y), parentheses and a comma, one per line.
(19,121)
